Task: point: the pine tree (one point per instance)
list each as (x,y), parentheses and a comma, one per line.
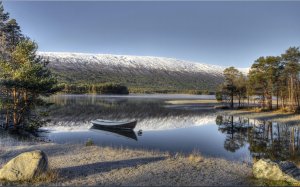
(24,76)
(3,19)
(229,88)
(241,83)
(264,76)
(4,16)
(13,34)
(291,60)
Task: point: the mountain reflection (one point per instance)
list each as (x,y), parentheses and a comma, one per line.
(266,139)
(117,108)
(151,114)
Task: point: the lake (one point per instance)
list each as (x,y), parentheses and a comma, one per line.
(162,126)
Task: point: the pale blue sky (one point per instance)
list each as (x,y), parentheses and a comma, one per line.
(222,33)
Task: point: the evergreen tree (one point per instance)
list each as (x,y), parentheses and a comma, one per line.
(241,85)
(3,19)
(264,76)
(24,76)
(4,16)
(13,34)
(25,79)
(229,88)
(291,60)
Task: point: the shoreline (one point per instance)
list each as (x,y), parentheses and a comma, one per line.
(77,164)
(273,116)
(144,96)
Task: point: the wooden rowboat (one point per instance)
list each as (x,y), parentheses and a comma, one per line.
(114,124)
(128,133)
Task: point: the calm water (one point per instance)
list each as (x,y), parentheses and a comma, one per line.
(166,127)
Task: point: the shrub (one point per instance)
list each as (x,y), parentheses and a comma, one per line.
(219,96)
(89,142)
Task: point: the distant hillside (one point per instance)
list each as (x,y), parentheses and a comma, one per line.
(134,71)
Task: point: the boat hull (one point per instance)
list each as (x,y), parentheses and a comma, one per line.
(124,126)
(128,133)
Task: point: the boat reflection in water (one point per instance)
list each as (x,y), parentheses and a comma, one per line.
(130,134)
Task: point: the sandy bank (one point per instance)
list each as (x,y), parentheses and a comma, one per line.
(93,165)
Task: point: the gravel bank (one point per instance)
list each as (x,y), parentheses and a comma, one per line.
(92,165)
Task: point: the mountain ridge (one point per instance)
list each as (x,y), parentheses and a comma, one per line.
(133,71)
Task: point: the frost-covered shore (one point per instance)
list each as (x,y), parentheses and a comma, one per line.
(94,165)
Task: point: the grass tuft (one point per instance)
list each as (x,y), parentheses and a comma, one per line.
(46,178)
(195,158)
(265,182)
(89,142)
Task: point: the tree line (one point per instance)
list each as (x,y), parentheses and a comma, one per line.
(114,88)
(107,88)
(24,76)
(271,80)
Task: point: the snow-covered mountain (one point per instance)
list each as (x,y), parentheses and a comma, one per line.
(134,71)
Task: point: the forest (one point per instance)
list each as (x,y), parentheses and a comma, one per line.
(272,81)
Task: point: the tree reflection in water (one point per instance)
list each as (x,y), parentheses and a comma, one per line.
(236,132)
(266,139)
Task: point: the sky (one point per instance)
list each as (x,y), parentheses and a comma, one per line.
(229,33)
